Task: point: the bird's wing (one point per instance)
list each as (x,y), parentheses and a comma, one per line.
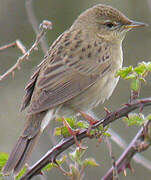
(60,83)
(31,83)
(66,74)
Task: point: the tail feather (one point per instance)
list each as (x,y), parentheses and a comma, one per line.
(36,123)
(23,148)
(15,155)
(20,154)
(26,153)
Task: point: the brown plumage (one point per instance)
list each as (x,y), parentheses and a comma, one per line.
(77,73)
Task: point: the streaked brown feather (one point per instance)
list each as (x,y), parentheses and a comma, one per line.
(60,81)
(29,89)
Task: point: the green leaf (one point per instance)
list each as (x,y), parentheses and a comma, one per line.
(3,159)
(64,132)
(103,130)
(57,131)
(135,84)
(149,66)
(63,129)
(148,117)
(100,128)
(134,119)
(107,134)
(49,166)
(124,72)
(77,154)
(21,173)
(141,68)
(71,121)
(74,172)
(131,76)
(142,79)
(90,162)
(82,124)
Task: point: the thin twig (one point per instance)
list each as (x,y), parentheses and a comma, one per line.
(34,22)
(115,172)
(138,144)
(17,43)
(43,27)
(51,155)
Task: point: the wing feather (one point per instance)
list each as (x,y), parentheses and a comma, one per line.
(67,73)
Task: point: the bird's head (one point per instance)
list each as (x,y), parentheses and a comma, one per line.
(106,22)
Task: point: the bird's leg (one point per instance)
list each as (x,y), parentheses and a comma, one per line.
(90,119)
(72,132)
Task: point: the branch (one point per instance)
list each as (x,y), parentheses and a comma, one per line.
(51,155)
(45,25)
(17,43)
(138,144)
(34,22)
(138,158)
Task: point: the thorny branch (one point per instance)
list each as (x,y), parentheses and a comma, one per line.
(138,158)
(139,143)
(45,25)
(51,155)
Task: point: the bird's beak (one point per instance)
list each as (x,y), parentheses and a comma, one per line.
(135,24)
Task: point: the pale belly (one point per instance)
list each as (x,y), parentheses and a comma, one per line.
(95,94)
(90,98)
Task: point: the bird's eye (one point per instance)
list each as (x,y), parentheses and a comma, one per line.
(109,24)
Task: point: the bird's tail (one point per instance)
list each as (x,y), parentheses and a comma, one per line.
(24,146)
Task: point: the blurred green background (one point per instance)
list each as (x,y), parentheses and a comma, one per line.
(14,24)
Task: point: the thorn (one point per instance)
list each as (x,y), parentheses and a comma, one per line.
(127,116)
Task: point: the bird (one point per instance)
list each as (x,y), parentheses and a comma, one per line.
(78,73)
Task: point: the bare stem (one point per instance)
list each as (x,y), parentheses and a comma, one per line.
(17,43)
(34,23)
(43,27)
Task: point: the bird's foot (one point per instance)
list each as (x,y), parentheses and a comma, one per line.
(90,119)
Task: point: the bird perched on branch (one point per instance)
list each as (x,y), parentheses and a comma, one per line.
(77,74)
